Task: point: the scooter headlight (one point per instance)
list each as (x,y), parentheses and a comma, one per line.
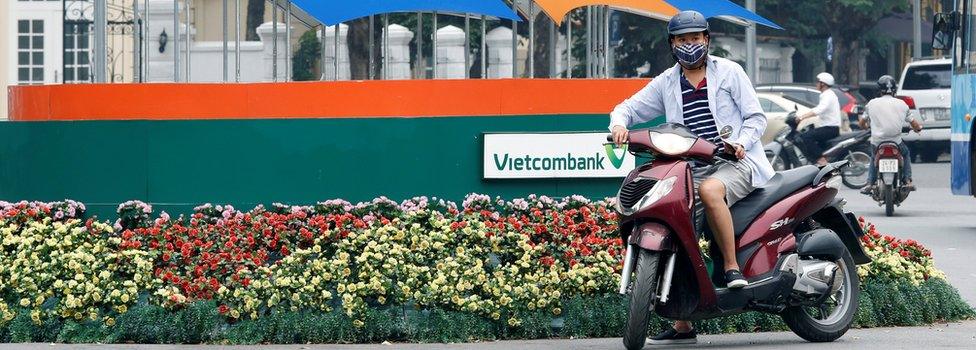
(659,190)
(671,144)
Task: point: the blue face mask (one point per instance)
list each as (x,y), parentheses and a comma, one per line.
(690,54)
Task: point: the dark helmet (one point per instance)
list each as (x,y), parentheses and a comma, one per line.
(687,22)
(887,85)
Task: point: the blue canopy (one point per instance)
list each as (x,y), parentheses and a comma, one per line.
(722,8)
(331,12)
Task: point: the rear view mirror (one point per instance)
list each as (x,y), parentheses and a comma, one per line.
(944,30)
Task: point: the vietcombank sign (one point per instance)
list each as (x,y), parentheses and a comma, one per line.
(520,156)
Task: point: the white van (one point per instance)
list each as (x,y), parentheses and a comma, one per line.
(925,86)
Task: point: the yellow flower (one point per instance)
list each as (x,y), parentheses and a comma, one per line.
(110,322)
(358,323)
(25,302)
(235,314)
(557,311)
(125,298)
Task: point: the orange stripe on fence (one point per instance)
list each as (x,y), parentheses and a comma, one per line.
(349,99)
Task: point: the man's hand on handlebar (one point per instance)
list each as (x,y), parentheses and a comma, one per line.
(735,149)
(916,126)
(620,135)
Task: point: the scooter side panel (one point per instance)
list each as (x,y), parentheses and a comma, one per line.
(777,224)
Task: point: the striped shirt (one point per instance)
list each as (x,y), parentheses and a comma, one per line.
(698,117)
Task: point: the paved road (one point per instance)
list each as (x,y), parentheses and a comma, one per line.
(947,336)
(944,223)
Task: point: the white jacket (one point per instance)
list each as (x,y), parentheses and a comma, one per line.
(731,99)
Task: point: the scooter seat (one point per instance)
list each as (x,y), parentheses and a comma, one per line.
(846,136)
(778,187)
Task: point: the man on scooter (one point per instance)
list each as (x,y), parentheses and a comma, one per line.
(715,99)
(886,115)
(828,128)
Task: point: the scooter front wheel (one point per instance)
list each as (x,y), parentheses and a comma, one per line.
(855,174)
(641,298)
(778,163)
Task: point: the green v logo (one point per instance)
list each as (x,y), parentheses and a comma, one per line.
(612,154)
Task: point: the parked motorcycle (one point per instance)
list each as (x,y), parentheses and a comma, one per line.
(796,244)
(784,152)
(889,190)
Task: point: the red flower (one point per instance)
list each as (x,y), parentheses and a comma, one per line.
(284,250)
(166,256)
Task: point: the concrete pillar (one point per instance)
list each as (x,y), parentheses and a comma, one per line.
(500,53)
(344,66)
(266,33)
(560,56)
(786,64)
(161,21)
(450,53)
(398,51)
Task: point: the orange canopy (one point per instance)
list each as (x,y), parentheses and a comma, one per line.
(557,9)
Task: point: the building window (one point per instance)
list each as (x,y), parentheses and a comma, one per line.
(77,49)
(30,52)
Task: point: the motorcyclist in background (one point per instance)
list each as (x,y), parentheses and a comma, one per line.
(886,116)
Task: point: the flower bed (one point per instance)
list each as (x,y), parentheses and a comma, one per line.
(338,272)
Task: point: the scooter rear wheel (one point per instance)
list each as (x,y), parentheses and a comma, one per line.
(889,199)
(835,316)
(641,298)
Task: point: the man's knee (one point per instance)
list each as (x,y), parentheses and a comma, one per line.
(712,192)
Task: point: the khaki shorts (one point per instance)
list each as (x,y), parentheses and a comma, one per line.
(737,178)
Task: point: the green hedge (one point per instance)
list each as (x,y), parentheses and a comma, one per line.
(882,304)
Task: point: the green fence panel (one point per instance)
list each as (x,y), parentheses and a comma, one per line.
(176,165)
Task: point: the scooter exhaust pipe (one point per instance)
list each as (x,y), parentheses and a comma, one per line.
(628,269)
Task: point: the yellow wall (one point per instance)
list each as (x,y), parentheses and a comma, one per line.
(207,19)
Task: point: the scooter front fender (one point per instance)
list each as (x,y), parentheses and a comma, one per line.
(652,236)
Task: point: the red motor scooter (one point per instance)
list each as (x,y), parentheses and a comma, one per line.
(889,189)
(794,242)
